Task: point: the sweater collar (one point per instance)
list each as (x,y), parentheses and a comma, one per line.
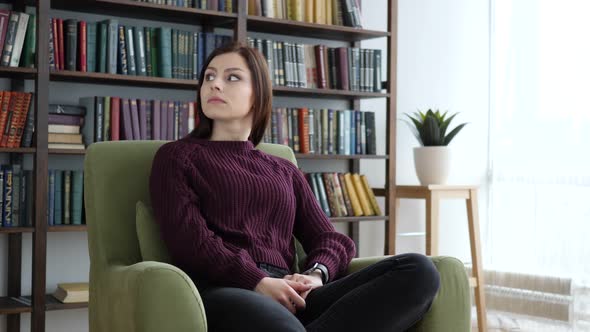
(227,145)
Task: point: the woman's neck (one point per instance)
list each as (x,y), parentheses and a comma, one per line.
(222,132)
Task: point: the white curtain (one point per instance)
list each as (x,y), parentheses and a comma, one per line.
(539,222)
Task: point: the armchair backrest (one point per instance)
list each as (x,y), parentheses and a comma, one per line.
(116,177)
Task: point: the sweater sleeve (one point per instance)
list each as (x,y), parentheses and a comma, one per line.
(192,245)
(322,243)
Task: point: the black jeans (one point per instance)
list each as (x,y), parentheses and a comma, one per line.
(390,295)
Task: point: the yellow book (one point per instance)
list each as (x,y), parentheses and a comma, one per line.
(371,195)
(309,15)
(354,199)
(320,16)
(360,191)
(72,292)
(328,7)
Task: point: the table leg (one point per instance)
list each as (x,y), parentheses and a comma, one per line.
(432,214)
(473,220)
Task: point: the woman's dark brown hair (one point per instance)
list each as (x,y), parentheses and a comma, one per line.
(261,85)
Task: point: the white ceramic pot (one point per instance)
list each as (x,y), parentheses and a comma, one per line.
(432,164)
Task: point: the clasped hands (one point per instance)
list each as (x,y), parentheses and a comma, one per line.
(292,290)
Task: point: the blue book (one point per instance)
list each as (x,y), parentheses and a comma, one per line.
(76,197)
(58,198)
(7,200)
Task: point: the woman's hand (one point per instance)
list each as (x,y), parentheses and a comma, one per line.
(284,291)
(314,280)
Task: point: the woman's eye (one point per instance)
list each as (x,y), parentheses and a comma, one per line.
(233,78)
(209,77)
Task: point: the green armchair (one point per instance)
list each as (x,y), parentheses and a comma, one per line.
(133,287)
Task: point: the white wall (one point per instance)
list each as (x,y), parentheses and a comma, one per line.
(442,63)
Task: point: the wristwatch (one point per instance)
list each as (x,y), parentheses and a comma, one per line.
(320,267)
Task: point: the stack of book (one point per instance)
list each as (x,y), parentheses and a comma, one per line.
(65,122)
(17,38)
(323,131)
(343,195)
(72,292)
(115,118)
(109,47)
(16,119)
(65,197)
(16,196)
(319,66)
(227,6)
(334,12)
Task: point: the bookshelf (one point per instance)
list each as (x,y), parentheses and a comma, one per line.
(39,301)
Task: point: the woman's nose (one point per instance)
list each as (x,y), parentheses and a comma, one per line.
(216,84)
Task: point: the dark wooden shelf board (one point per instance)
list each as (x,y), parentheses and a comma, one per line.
(17,229)
(358,219)
(311,30)
(148,11)
(17,150)
(325,93)
(67,228)
(338,156)
(66,151)
(127,80)
(51,303)
(10,305)
(18,72)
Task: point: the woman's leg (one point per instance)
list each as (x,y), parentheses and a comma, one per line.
(390,295)
(234,309)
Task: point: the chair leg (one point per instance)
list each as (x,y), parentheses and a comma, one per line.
(473,220)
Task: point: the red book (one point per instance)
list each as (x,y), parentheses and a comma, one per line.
(9,119)
(23,122)
(18,120)
(82,46)
(4,100)
(342,61)
(303,119)
(56,56)
(60,35)
(115,118)
(4,18)
(320,61)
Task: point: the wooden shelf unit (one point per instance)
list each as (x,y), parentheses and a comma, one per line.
(241,24)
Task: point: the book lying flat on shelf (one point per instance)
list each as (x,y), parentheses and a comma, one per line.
(72,292)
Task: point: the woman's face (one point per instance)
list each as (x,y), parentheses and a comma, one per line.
(226,91)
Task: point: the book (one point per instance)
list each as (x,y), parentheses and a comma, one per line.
(72,292)
(371,195)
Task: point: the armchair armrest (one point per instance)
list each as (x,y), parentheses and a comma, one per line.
(451,308)
(148,296)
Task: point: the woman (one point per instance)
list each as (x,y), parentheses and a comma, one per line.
(227,214)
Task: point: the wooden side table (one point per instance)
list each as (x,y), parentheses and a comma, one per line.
(433,194)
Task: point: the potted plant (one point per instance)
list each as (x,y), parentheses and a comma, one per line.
(432,158)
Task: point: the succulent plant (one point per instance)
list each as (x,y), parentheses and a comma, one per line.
(430,128)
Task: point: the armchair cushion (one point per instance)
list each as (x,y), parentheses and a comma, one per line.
(151,246)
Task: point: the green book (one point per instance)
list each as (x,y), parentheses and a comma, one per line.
(58,198)
(164,52)
(66,197)
(106,123)
(91,47)
(28,58)
(102,42)
(148,51)
(154,49)
(76,197)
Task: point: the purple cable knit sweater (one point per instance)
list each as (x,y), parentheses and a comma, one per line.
(224,206)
